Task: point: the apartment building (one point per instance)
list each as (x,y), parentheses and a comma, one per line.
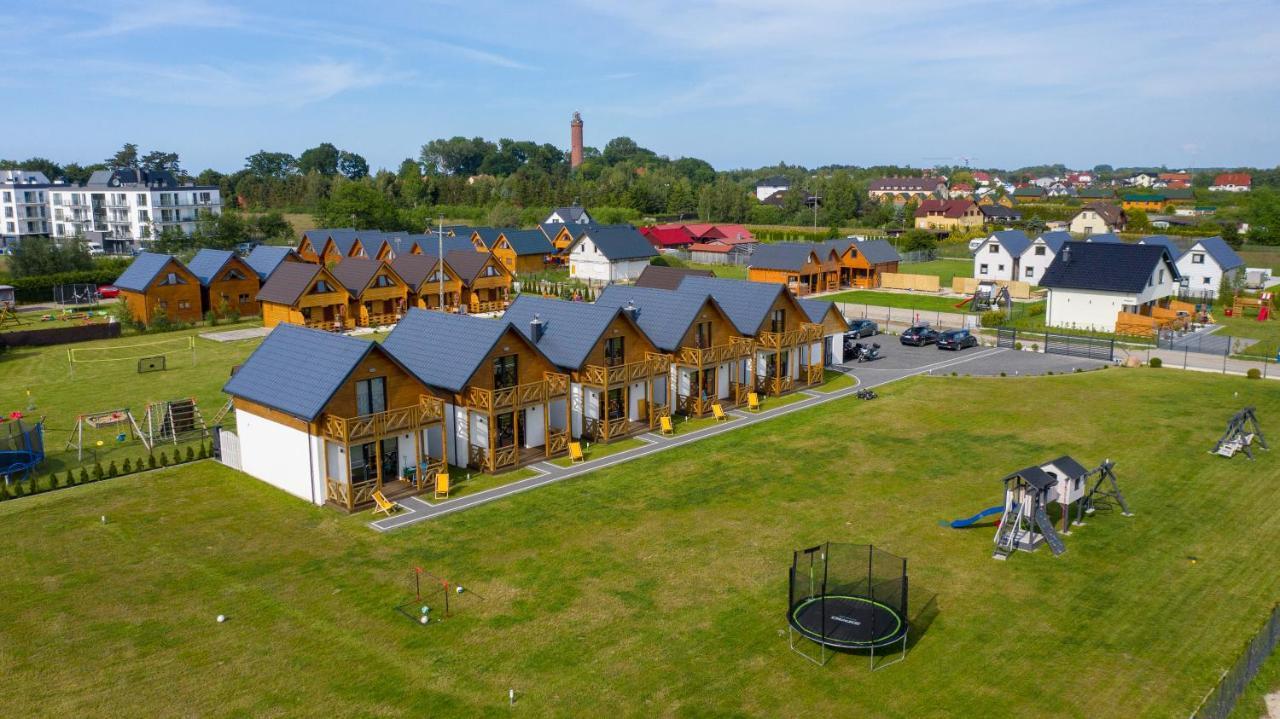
(24,208)
(125,209)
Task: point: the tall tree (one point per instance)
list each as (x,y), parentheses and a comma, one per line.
(353,166)
(126,158)
(357,203)
(43,256)
(273,165)
(159,160)
(322,158)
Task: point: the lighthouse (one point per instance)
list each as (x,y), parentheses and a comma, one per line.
(575,141)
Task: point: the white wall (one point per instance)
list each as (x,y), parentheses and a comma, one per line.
(1088,222)
(281,456)
(987,262)
(837,348)
(1033,263)
(1202,276)
(534,433)
(1085,309)
(586,262)
(763,191)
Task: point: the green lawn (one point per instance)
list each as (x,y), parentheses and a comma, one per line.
(922,302)
(945,269)
(600,451)
(832,381)
(657,587)
(733,272)
(1267,333)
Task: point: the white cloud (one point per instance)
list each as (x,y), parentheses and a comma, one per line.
(133,17)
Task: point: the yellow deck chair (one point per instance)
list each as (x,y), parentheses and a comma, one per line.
(718,411)
(753,401)
(575,453)
(664,424)
(442,485)
(383,504)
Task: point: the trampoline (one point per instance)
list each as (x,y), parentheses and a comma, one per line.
(850,597)
(21,447)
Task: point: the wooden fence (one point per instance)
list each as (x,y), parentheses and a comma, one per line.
(916,283)
(966,286)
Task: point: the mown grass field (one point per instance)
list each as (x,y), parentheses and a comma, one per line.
(945,269)
(922,302)
(658,587)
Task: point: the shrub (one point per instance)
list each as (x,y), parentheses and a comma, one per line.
(1253,373)
(1155,362)
(211,319)
(127,467)
(83,477)
(993,318)
(1002,374)
(204,451)
(164,459)
(1017,346)
(151,461)
(97,471)
(1049,372)
(17,488)
(191,454)
(1035,347)
(111,469)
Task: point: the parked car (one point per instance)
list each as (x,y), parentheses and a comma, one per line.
(108,292)
(919,336)
(94,249)
(956,340)
(861,328)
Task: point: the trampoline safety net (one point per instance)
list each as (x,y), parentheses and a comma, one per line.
(848,596)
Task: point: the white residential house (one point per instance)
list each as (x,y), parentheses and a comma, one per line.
(571,215)
(1090,283)
(770,185)
(24,205)
(998,257)
(606,254)
(1039,254)
(128,208)
(1232,182)
(1143,179)
(1097,218)
(1206,262)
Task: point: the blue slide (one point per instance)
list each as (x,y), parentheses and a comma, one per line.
(970,521)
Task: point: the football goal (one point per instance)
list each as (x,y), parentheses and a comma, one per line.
(146,356)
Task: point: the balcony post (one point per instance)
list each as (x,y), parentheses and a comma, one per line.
(351,485)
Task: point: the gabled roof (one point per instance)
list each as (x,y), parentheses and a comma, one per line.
(1034,476)
(572,213)
(664,316)
(774,181)
(1164,241)
(430,243)
(142,271)
(1104,237)
(905,184)
(551,230)
(469,263)
(297,370)
(746,303)
(443,349)
(1000,212)
(785,255)
(528,242)
(1233,178)
(1110,213)
(1055,240)
(667,278)
(815,310)
(414,269)
(1069,466)
(343,240)
(668,235)
(1106,267)
(488,235)
(877,251)
(1221,252)
(355,273)
(1096,193)
(1015,242)
(947,208)
(570,329)
(288,282)
(208,263)
(619,243)
(264,259)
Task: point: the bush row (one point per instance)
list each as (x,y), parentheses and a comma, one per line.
(39,288)
(86,474)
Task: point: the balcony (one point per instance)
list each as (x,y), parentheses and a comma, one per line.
(368,427)
(489,400)
(807,332)
(605,376)
(476,307)
(702,356)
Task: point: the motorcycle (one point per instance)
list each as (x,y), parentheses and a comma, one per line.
(867,352)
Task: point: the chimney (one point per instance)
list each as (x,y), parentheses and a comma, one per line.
(632,311)
(575,141)
(1066,254)
(536,328)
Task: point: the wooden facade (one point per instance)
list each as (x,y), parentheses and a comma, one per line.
(322,305)
(174,293)
(610,376)
(233,289)
(814,276)
(332,254)
(786,331)
(381,302)
(711,345)
(515,263)
(307,251)
(489,290)
(427,294)
(862,272)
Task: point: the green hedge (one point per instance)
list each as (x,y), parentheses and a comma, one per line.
(39,288)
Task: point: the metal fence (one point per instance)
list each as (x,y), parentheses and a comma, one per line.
(900,318)
(1056,343)
(1220,702)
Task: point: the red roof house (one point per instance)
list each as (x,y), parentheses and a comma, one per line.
(1232,182)
(668,236)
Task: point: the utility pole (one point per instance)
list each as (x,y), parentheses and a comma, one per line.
(440,260)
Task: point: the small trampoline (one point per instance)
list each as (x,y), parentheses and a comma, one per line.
(21,447)
(850,597)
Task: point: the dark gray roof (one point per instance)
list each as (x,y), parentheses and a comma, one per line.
(570,329)
(816,310)
(144,268)
(1221,252)
(1000,212)
(550,229)
(355,273)
(443,349)
(1033,476)
(1015,242)
(264,259)
(208,263)
(1055,240)
(488,235)
(619,243)
(133,177)
(1104,238)
(467,263)
(664,316)
(668,278)
(1105,266)
(297,370)
(746,303)
(1164,241)
(878,251)
(784,255)
(529,242)
(572,213)
(1070,466)
(414,269)
(430,244)
(774,181)
(288,282)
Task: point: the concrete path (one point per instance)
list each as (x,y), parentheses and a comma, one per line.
(251,333)
(1207,340)
(909,362)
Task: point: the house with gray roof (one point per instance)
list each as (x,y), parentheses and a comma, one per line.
(331,419)
(999,256)
(523,251)
(572,215)
(156,285)
(228,285)
(1091,283)
(264,259)
(1039,254)
(609,254)
(1206,263)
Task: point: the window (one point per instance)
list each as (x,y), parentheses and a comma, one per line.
(233,275)
(371,395)
(702,335)
(1197,259)
(383,281)
(184,304)
(778,323)
(1030,272)
(1040,251)
(490,271)
(613,352)
(993,248)
(142,199)
(1207,281)
(982,269)
(320,287)
(173,279)
(1000,268)
(244,298)
(1161,276)
(144,216)
(504,372)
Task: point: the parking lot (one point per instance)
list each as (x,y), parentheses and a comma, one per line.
(897,361)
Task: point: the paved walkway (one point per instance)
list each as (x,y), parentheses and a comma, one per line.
(417,509)
(233,335)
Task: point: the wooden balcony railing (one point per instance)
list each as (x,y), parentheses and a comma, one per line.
(656,412)
(478,307)
(553,385)
(557,441)
(737,347)
(605,376)
(779,385)
(348,430)
(807,332)
(739,391)
(694,406)
(810,374)
(379,319)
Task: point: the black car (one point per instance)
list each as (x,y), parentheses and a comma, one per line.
(861,328)
(956,340)
(919,336)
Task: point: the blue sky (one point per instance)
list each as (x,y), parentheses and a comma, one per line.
(740,83)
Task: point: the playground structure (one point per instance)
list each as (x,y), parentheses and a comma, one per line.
(988,295)
(1024,522)
(1243,431)
(1259,307)
(850,597)
(155,353)
(436,590)
(174,421)
(10,316)
(170,421)
(21,447)
(90,429)
(75,294)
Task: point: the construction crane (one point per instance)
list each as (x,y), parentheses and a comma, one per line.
(965,158)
